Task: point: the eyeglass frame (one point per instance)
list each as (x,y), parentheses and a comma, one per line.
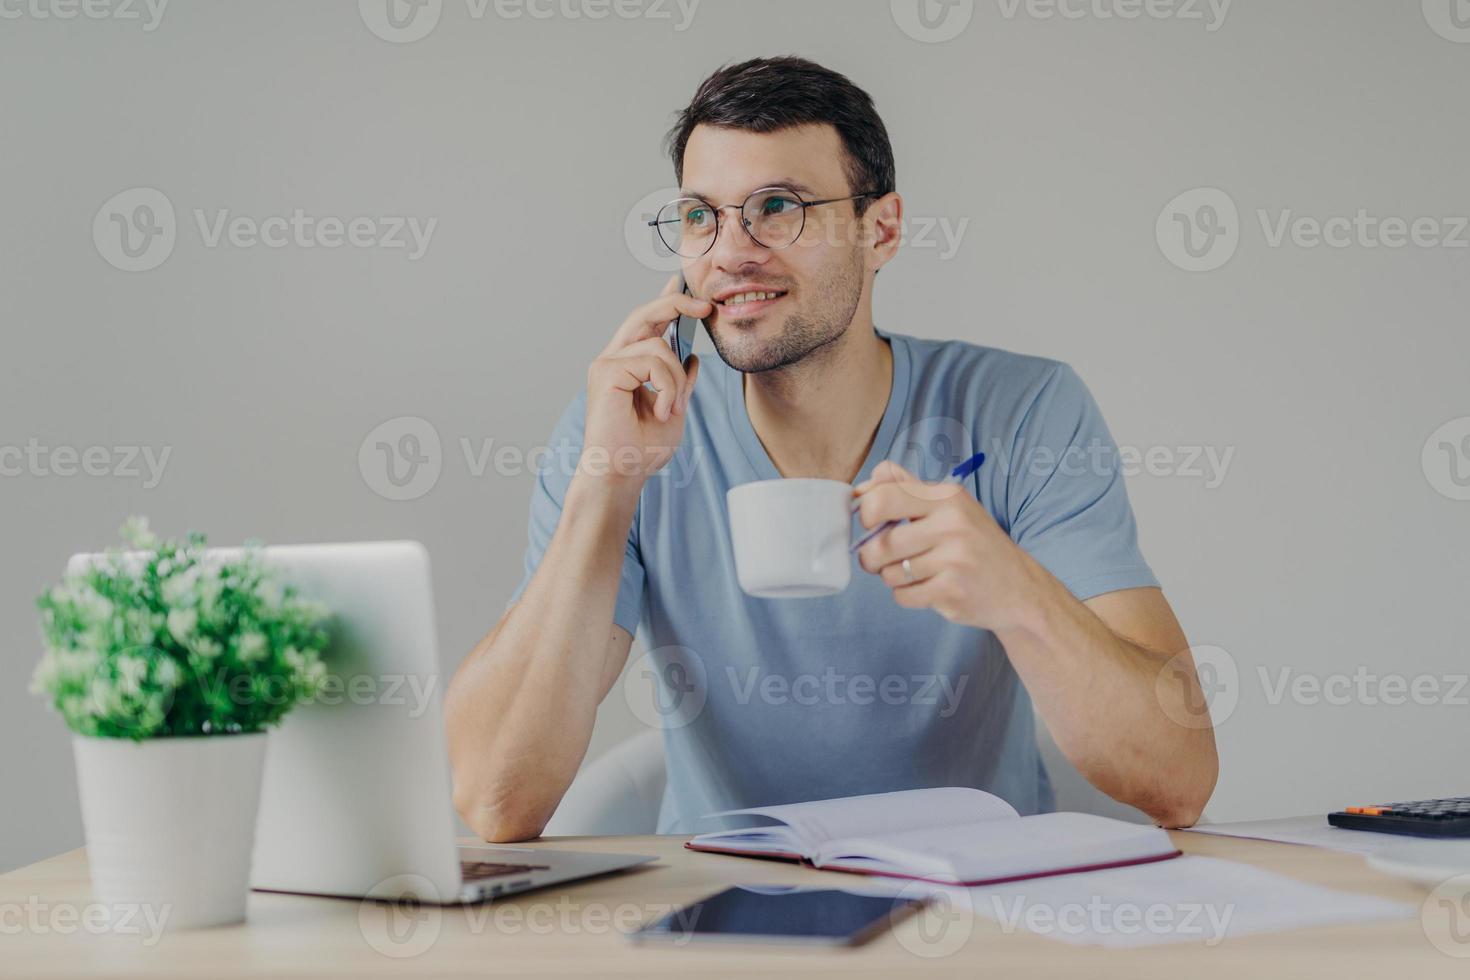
(745,223)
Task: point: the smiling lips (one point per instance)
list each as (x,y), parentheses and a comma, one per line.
(749,302)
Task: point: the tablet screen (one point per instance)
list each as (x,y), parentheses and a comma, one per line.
(823,915)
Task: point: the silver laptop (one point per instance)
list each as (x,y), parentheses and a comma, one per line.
(357,800)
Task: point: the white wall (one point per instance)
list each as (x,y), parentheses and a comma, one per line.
(1326,549)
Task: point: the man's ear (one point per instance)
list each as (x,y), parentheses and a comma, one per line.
(886,217)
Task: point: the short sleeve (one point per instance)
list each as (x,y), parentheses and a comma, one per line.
(553,477)
(1068,501)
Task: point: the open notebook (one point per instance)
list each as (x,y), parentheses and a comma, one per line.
(950,835)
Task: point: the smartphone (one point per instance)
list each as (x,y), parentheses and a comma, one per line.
(681,331)
(782,914)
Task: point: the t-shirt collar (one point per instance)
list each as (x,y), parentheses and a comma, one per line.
(898,396)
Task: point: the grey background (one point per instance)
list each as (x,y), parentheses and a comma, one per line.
(1326,548)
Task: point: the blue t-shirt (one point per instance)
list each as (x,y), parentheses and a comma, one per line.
(766,701)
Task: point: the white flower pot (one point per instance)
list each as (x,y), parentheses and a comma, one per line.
(170,824)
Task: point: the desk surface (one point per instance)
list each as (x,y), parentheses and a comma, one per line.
(576,930)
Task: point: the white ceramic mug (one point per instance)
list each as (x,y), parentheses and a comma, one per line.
(791,537)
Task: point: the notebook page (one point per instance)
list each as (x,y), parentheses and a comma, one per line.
(876,814)
(1028,846)
(757,840)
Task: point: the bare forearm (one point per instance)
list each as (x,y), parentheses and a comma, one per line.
(1100,695)
(522,705)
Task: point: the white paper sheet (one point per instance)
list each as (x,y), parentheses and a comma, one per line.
(1314,831)
(1189,899)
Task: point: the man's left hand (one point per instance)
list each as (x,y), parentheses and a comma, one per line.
(959,561)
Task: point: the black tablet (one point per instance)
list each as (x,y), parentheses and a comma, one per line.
(822,916)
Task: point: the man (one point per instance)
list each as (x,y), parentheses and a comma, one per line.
(1023,584)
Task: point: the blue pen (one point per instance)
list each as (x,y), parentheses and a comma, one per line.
(957,475)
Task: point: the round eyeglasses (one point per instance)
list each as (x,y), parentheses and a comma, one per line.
(772,216)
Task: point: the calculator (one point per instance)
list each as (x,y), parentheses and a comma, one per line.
(1449,817)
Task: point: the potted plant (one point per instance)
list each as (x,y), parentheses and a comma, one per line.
(168,665)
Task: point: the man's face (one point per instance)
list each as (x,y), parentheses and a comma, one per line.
(819,277)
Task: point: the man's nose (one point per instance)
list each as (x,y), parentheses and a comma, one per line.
(734,247)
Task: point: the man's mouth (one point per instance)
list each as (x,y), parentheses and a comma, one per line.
(749,302)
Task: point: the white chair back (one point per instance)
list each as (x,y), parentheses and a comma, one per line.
(620,791)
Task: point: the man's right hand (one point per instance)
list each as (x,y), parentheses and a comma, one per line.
(632,432)
(521,707)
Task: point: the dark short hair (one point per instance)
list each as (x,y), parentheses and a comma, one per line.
(764,95)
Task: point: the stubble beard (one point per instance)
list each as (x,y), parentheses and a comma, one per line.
(833,301)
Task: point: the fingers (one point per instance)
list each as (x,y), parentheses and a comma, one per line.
(651,361)
(630,373)
(921,567)
(888,477)
(931,593)
(887,471)
(894,545)
(655,347)
(650,319)
(887,500)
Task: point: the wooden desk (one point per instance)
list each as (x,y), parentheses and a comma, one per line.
(573,930)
